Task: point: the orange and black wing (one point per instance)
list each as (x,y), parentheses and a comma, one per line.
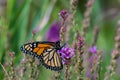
(45,52)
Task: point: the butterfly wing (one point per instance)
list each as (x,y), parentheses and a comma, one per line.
(45,52)
(36,48)
(52,60)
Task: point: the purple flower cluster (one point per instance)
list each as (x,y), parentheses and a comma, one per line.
(93,59)
(53,32)
(66,54)
(64,14)
(80,43)
(93,49)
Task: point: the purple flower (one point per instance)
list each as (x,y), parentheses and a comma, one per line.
(88,73)
(92,61)
(64,14)
(93,49)
(66,54)
(93,57)
(53,32)
(80,41)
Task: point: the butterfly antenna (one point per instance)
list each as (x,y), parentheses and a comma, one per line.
(63,45)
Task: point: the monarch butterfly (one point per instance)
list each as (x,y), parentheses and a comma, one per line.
(46,52)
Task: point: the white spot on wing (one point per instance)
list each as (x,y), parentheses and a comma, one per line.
(34,44)
(49,49)
(30,45)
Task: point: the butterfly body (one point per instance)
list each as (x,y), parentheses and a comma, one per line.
(46,52)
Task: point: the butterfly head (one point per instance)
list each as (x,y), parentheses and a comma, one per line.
(58,47)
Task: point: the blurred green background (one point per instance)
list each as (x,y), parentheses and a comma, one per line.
(18,18)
